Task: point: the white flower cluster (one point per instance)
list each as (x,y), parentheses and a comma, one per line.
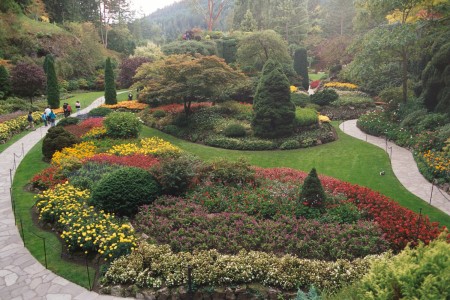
(154,266)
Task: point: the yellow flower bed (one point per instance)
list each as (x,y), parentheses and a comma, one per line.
(154,145)
(341,85)
(11,127)
(439,162)
(94,133)
(81,226)
(132,105)
(293,89)
(75,153)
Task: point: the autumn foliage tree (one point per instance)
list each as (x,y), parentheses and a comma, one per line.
(186,79)
(27,80)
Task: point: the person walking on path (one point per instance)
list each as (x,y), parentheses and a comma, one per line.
(69,110)
(78,106)
(44,118)
(52,118)
(30,120)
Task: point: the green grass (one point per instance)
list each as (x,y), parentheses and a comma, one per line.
(316,76)
(347,159)
(24,201)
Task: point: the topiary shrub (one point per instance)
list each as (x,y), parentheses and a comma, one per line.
(100,112)
(124,190)
(176,174)
(68,121)
(300,99)
(55,140)
(159,114)
(234,130)
(306,117)
(312,194)
(122,125)
(324,97)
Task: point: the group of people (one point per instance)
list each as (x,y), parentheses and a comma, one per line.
(49,117)
(67,109)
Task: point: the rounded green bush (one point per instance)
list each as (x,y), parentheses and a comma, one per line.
(55,140)
(324,97)
(159,114)
(122,125)
(124,190)
(68,121)
(290,144)
(100,112)
(234,130)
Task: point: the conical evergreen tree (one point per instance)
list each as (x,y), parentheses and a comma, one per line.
(110,85)
(312,194)
(52,85)
(5,82)
(274,111)
(48,59)
(301,66)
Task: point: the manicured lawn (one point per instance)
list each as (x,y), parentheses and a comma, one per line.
(348,159)
(316,76)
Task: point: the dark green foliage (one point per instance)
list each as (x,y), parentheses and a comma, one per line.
(234,130)
(227,49)
(312,194)
(122,125)
(124,190)
(301,66)
(274,112)
(100,112)
(176,174)
(324,97)
(432,121)
(55,140)
(345,213)
(300,99)
(240,144)
(47,61)
(436,81)
(5,83)
(311,295)
(290,144)
(190,47)
(90,174)
(68,121)
(52,83)
(110,84)
(159,113)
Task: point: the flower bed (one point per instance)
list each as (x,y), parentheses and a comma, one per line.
(134,160)
(154,146)
(10,127)
(341,85)
(132,105)
(179,108)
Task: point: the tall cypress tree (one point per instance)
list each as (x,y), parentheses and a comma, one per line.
(274,112)
(301,66)
(110,85)
(52,84)
(5,82)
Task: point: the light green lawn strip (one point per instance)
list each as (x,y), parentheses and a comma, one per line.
(347,159)
(32,164)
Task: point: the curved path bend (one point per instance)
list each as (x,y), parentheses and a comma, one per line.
(404,167)
(22,277)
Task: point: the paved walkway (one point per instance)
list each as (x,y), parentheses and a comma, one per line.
(21,275)
(404,167)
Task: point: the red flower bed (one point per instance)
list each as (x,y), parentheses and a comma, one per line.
(47,178)
(314,84)
(91,123)
(399,225)
(178,108)
(136,160)
(76,130)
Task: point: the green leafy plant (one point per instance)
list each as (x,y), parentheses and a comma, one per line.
(100,112)
(122,125)
(312,193)
(55,140)
(68,121)
(234,130)
(324,97)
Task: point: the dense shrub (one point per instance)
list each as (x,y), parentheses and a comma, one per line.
(172,130)
(306,117)
(159,114)
(124,190)
(300,99)
(122,125)
(290,144)
(432,121)
(344,213)
(324,97)
(100,112)
(240,144)
(230,172)
(419,273)
(68,121)
(234,130)
(354,101)
(55,140)
(89,174)
(176,174)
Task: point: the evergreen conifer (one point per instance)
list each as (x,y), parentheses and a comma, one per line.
(301,66)
(274,111)
(110,85)
(52,84)
(312,194)
(5,82)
